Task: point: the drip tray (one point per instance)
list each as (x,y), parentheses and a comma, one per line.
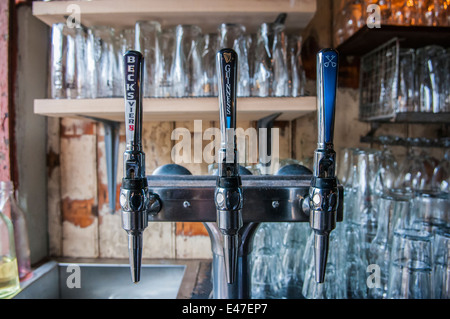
(67,280)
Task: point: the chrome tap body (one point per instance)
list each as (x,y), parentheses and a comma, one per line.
(323,193)
(228,195)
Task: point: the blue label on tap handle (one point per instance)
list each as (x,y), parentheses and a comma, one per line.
(328,64)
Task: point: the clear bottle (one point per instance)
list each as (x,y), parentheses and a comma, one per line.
(10,206)
(9,275)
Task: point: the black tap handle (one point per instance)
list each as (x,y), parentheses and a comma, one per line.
(227,61)
(133,70)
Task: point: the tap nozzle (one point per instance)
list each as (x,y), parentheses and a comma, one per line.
(228,194)
(323,192)
(134,197)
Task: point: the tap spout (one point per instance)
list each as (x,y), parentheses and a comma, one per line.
(323,192)
(228,194)
(134,191)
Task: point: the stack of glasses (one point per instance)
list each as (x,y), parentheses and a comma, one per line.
(394,241)
(180,61)
(354,14)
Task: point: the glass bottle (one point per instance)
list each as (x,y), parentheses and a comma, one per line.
(9,274)
(9,205)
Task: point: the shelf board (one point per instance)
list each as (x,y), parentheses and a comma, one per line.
(205,13)
(414,118)
(177,109)
(365,39)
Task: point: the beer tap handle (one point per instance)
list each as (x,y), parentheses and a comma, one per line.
(228,194)
(323,193)
(134,191)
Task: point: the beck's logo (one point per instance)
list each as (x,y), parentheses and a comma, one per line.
(227,56)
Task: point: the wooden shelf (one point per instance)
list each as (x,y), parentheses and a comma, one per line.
(177,109)
(365,39)
(206,13)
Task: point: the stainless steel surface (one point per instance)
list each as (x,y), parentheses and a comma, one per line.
(162,279)
(324,192)
(259,193)
(240,288)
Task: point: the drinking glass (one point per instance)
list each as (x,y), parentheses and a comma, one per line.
(266,263)
(364,210)
(297,77)
(412,173)
(104,47)
(443,61)
(410,268)
(271,76)
(334,286)
(380,248)
(123,41)
(147,41)
(428,59)
(441,266)
(232,35)
(75,71)
(56,72)
(294,241)
(440,181)
(210,48)
(406,101)
(429,210)
(187,68)
(355,261)
(387,170)
(168,56)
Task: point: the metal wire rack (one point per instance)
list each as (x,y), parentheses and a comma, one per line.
(378,82)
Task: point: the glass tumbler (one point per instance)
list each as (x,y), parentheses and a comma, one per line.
(429,74)
(104,46)
(429,211)
(441,265)
(232,35)
(56,72)
(168,55)
(410,268)
(406,101)
(187,67)
(270,76)
(75,59)
(147,41)
(297,76)
(210,48)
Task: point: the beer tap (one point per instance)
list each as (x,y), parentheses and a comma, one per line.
(228,196)
(323,192)
(134,196)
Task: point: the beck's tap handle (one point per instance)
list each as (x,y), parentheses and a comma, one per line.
(323,193)
(228,194)
(134,192)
